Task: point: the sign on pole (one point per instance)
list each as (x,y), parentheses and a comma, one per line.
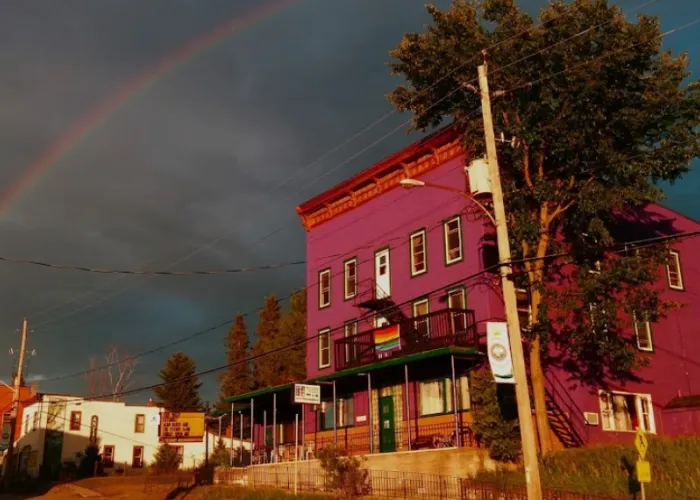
(641,443)
(643,471)
(499,352)
(307,394)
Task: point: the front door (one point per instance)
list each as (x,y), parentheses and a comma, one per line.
(386,415)
(382,274)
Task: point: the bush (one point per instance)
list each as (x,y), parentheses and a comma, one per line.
(344,473)
(609,470)
(221,455)
(166,459)
(495,417)
(90,462)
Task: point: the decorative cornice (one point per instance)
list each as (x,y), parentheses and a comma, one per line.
(411,162)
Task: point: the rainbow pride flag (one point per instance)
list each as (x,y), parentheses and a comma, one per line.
(387,338)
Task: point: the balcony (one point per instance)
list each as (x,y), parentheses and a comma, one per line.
(444,328)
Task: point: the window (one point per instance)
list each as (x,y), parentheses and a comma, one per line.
(420,310)
(623,412)
(35,422)
(324,348)
(137,457)
(140,424)
(457,300)
(453,240)
(350,280)
(435,396)
(419,263)
(350,330)
(324,288)
(673,270)
(93,428)
(642,331)
(346,413)
(26,424)
(76,419)
(108,455)
(524,310)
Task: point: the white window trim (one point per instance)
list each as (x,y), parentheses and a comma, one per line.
(461,242)
(413,236)
(418,303)
(349,294)
(457,291)
(321,274)
(647,326)
(324,332)
(676,256)
(638,407)
(347,325)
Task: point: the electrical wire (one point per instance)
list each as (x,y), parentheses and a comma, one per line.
(616,248)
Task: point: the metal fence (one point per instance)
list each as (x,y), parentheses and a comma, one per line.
(387,484)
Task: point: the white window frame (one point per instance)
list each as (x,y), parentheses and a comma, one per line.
(414,236)
(349,294)
(324,333)
(608,420)
(351,327)
(453,292)
(445,225)
(676,258)
(414,307)
(321,274)
(646,325)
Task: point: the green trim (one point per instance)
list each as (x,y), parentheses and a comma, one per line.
(259,392)
(423,232)
(468,351)
(330,288)
(444,240)
(345,279)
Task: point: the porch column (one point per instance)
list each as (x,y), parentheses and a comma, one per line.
(252,428)
(335,416)
(303,432)
(408,406)
(454,399)
(369,410)
(231,452)
(240,436)
(264,436)
(274,426)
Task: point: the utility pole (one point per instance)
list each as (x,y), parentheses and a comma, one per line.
(527,433)
(9,462)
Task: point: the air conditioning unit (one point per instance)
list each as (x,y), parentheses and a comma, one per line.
(479,177)
(590,417)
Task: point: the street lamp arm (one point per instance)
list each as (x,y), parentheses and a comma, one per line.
(410,183)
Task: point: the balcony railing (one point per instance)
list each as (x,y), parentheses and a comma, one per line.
(444,328)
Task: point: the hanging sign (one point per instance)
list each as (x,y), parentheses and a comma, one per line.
(499,352)
(307,394)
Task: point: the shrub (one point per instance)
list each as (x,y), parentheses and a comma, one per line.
(90,462)
(166,459)
(344,473)
(221,455)
(495,417)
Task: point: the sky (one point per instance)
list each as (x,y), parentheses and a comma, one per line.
(202,168)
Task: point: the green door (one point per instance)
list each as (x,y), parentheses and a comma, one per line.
(386,415)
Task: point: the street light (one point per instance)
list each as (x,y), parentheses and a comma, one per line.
(414,183)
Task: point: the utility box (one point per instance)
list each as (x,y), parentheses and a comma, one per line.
(479,177)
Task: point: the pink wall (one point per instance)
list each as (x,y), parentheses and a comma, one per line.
(388,220)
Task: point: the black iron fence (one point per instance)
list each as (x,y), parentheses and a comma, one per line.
(387,484)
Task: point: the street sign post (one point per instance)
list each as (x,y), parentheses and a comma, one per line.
(641,442)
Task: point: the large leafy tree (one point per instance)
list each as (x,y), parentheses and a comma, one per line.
(599,113)
(293,332)
(265,368)
(237,379)
(180,389)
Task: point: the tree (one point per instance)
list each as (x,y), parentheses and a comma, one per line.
(166,459)
(599,114)
(237,379)
(112,378)
(293,332)
(221,455)
(265,369)
(180,389)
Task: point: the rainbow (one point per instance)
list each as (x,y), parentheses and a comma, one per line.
(99,115)
(387,338)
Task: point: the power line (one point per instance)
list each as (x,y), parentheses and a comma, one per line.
(616,248)
(151,273)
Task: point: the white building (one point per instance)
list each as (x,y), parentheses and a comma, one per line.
(57,429)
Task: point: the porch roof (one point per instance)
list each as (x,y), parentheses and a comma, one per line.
(410,358)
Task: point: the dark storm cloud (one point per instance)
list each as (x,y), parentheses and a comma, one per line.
(196,157)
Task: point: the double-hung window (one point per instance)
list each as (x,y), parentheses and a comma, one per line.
(419,262)
(643,334)
(324,348)
(674,271)
(457,301)
(452,229)
(421,311)
(350,278)
(351,351)
(436,396)
(324,288)
(624,412)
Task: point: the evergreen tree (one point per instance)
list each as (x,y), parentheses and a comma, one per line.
(265,369)
(166,459)
(600,114)
(221,455)
(292,366)
(237,379)
(181,387)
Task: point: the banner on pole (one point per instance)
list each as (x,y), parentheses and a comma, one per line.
(499,352)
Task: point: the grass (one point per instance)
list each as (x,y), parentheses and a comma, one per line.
(609,470)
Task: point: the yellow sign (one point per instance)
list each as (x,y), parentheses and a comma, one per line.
(641,443)
(181,427)
(643,471)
